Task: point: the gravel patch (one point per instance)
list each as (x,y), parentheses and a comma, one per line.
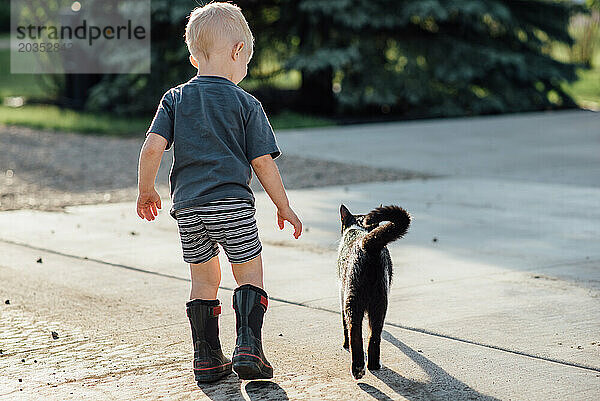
(50,170)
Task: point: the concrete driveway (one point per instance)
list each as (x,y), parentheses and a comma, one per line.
(496,292)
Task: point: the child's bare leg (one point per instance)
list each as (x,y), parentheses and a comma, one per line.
(250,272)
(206,278)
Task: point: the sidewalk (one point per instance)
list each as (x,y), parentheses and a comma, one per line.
(504,305)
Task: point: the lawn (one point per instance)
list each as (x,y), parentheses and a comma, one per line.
(586,91)
(55,118)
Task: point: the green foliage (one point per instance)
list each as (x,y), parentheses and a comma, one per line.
(585,29)
(4,15)
(27,85)
(586,90)
(413,58)
(434,57)
(134,94)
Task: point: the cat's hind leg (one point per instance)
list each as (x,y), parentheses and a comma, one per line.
(354,318)
(376,314)
(346,340)
(344,325)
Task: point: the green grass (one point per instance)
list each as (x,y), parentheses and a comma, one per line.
(586,90)
(290,119)
(54,118)
(49,117)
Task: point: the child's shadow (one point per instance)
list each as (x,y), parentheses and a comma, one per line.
(230,389)
(265,390)
(224,389)
(441,385)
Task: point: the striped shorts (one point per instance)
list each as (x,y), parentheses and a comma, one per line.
(229,222)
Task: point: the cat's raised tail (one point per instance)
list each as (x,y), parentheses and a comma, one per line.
(399,220)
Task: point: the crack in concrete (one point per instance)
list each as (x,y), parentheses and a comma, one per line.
(396,325)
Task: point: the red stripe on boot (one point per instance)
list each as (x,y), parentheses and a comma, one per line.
(264,301)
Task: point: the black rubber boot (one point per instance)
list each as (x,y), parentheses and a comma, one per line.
(249,362)
(209,362)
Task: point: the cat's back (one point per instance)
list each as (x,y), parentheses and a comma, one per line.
(357,266)
(350,251)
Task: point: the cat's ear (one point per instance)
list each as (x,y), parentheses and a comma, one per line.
(344,213)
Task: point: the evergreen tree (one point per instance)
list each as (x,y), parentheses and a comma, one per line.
(406,57)
(429,57)
(135,93)
(4,16)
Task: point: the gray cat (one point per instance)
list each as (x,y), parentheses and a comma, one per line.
(365,275)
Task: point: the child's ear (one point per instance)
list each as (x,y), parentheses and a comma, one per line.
(237,50)
(193,61)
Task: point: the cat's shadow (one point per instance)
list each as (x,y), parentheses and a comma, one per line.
(441,385)
(231,389)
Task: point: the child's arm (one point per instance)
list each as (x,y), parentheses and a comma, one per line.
(148,200)
(267,172)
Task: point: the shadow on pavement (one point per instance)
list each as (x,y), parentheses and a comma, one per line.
(441,385)
(265,390)
(230,389)
(376,393)
(226,389)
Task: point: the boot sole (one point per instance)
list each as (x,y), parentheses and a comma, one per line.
(250,367)
(212,374)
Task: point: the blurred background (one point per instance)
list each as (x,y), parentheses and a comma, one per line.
(344,61)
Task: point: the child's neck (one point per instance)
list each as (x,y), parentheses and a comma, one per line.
(213,70)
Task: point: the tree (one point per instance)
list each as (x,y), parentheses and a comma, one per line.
(430,57)
(4,16)
(135,93)
(410,58)
(140,93)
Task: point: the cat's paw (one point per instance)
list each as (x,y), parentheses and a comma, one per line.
(346,346)
(374,365)
(358,371)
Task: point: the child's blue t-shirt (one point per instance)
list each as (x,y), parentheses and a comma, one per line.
(216,129)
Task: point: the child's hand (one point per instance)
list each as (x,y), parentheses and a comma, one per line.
(287,214)
(147,204)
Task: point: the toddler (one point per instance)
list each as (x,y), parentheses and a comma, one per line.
(219,133)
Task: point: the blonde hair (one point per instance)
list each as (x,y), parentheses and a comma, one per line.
(208,26)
